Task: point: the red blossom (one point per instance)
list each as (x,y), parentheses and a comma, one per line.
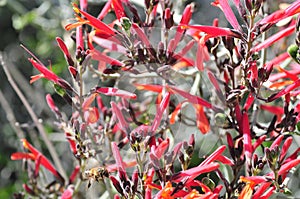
(68,193)
(118,7)
(191,98)
(284,91)
(212,31)
(251,182)
(37,156)
(225,7)
(278,15)
(185,19)
(194,172)
(115,92)
(287,166)
(45,72)
(245,131)
(96,55)
(122,122)
(274,38)
(160,111)
(65,50)
(94,22)
(202,121)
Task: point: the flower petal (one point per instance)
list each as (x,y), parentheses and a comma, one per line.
(122,122)
(21,155)
(225,7)
(115,92)
(44,161)
(94,22)
(48,74)
(160,111)
(278,15)
(274,38)
(96,55)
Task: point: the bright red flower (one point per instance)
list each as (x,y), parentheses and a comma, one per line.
(225,7)
(251,182)
(278,15)
(36,156)
(45,72)
(274,38)
(115,92)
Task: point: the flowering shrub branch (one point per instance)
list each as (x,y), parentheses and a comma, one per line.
(147,61)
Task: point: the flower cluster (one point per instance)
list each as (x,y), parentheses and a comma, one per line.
(253,107)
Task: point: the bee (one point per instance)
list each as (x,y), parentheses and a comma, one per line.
(96,174)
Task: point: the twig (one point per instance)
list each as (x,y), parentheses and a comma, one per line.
(35,119)
(10,116)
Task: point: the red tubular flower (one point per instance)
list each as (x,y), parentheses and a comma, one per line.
(245,131)
(278,15)
(259,141)
(251,182)
(285,147)
(118,7)
(96,55)
(176,112)
(45,72)
(65,50)
(119,163)
(94,22)
(202,121)
(287,166)
(273,109)
(115,92)
(194,172)
(185,19)
(162,107)
(277,142)
(214,156)
(52,105)
(149,87)
(122,122)
(274,38)
(74,174)
(144,38)
(191,98)
(68,193)
(225,7)
(249,102)
(160,149)
(261,189)
(211,30)
(284,91)
(37,156)
(48,74)
(215,83)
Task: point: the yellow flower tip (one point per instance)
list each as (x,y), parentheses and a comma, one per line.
(183,27)
(75,8)
(25,143)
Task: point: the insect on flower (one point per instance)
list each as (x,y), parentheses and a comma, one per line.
(96,174)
